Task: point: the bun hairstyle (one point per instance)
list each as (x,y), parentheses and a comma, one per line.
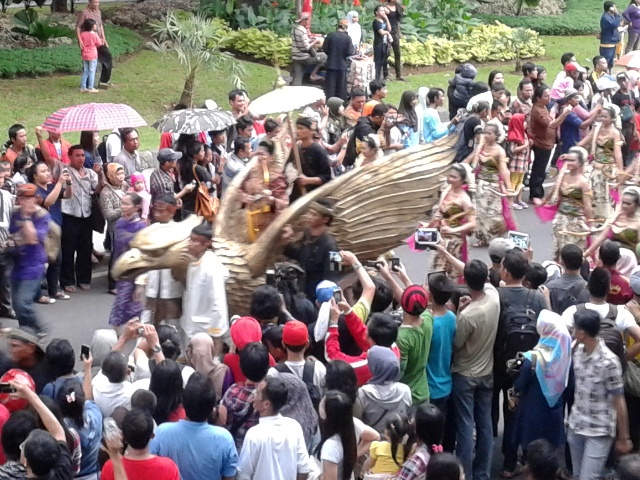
(633,192)
(460,170)
(581,153)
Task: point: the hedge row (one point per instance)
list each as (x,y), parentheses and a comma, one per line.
(34,62)
(581,17)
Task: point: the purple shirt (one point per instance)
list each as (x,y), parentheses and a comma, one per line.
(29,260)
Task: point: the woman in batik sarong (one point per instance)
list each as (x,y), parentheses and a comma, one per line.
(605,143)
(572,195)
(493,214)
(125,307)
(455,218)
(623,226)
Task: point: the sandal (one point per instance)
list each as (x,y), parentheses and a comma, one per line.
(62,296)
(44,300)
(113,291)
(84,287)
(70,289)
(516,471)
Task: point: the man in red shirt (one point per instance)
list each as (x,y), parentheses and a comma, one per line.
(620,292)
(137,430)
(55,148)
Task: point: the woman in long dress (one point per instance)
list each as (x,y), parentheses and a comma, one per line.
(493,183)
(125,306)
(455,218)
(354,30)
(572,195)
(623,227)
(605,142)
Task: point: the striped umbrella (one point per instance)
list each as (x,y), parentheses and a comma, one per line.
(93,117)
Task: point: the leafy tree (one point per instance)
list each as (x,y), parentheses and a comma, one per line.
(193,39)
(521,3)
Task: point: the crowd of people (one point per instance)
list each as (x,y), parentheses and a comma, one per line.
(342,369)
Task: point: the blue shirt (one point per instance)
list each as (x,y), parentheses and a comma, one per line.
(439,362)
(570,131)
(29,260)
(432,126)
(410,136)
(200,450)
(55,210)
(90,438)
(609,24)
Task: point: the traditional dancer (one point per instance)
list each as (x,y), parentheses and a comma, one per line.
(606,142)
(493,184)
(455,217)
(623,226)
(572,195)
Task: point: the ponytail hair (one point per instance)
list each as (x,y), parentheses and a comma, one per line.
(71,400)
(400,433)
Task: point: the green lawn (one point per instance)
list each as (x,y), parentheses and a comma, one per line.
(150,83)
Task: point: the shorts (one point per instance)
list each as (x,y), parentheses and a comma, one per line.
(516,179)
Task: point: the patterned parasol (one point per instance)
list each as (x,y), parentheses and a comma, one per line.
(194,120)
(93,117)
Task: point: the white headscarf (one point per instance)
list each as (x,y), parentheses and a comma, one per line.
(421,108)
(354,30)
(627,263)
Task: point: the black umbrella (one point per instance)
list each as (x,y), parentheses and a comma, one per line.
(194,120)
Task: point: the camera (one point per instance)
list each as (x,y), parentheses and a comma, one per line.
(395,264)
(7,388)
(337,296)
(140,331)
(519,239)
(426,238)
(373,264)
(335,262)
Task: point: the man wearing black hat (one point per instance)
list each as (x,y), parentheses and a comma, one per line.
(163,178)
(312,251)
(204,304)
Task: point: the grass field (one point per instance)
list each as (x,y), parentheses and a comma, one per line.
(150,83)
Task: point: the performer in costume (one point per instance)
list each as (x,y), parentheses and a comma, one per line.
(623,226)
(605,141)
(455,218)
(572,195)
(264,191)
(493,184)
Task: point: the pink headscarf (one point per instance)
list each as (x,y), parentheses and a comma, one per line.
(137,176)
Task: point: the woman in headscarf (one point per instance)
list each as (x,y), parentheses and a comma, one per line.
(336,124)
(125,307)
(300,408)
(111,197)
(383,396)
(354,29)
(408,118)
(455,218)
(542,380)
(202,357)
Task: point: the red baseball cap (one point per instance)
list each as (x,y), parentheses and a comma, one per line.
(295,333)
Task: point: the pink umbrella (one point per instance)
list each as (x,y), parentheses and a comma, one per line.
(94,117)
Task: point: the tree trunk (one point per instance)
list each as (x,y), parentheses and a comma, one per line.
(59,6)
(298,8)
(518,63)
(187,92)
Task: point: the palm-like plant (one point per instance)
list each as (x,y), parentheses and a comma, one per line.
(196,42)
(521,3)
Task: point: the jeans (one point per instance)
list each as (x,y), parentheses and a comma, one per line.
(634,41)
(472,403)
(77,247)
(24,293)
(53,276)
(88,74)
(106,62)
(502,383)
(610,54)
(397,60)
(445,405)
(381,60)
(538,172)
(588,455)
(6,310)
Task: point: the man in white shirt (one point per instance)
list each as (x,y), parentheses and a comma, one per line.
(111,389)
(113,145)
(204,305)
(274,448)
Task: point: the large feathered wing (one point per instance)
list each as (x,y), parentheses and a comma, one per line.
(376,206)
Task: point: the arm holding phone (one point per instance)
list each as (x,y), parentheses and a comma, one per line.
(385,272)
(87,363)
(48,419)
(368,287)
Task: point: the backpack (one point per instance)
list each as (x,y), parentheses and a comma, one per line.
(609,333)
(520,333)
(307,377)
(563,298)
(102,146)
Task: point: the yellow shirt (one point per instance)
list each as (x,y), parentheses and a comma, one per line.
(381,453)
(362,310)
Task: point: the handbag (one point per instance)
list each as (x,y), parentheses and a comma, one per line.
(206,206)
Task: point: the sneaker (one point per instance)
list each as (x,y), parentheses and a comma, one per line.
(62,296)
(517,206)
(93,90)
(523,204)
(106,85)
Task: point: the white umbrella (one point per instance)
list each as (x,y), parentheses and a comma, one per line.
(285,99)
